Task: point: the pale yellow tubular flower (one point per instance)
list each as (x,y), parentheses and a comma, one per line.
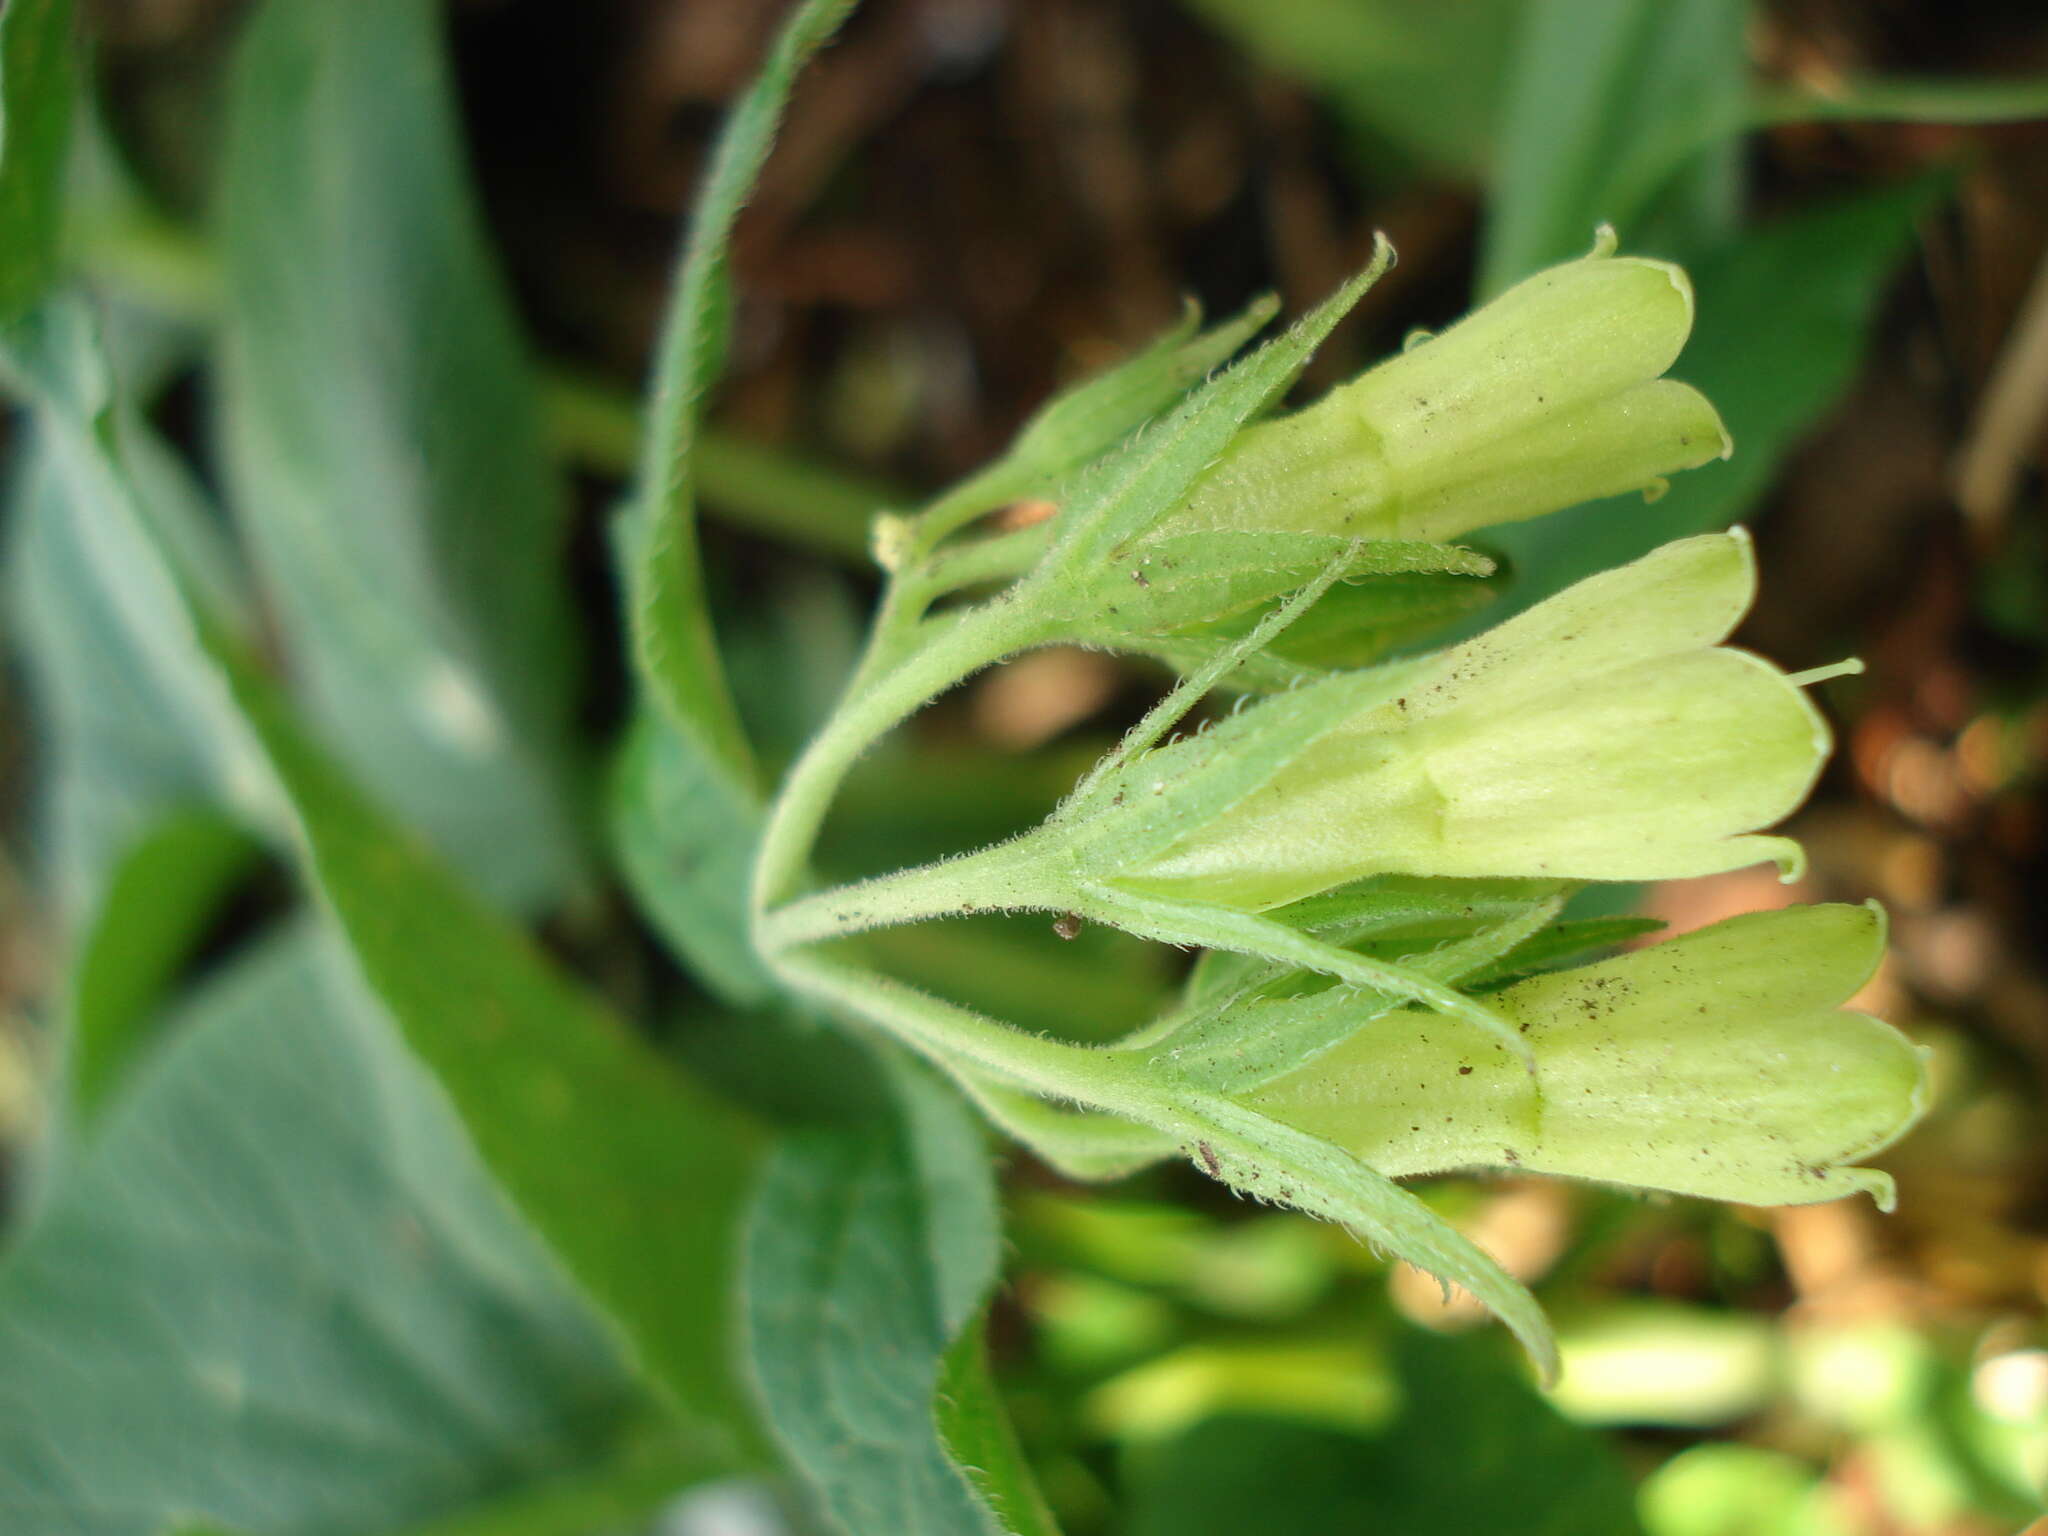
(1549,396)
(1602,735)
(1717,1064)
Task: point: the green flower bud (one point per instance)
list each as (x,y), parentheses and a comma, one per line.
(1549,396)
(1716,1064)
(1602,735)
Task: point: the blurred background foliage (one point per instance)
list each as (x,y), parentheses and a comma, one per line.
(973,201)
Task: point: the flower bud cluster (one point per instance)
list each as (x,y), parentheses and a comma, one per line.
(1608,733)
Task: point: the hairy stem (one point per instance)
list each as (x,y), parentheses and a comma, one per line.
(896,680)
(1008,877)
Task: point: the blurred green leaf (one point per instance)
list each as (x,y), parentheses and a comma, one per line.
(674,817)
(37,78)
(1428,83)
(672,639)
(763,489)
(685,814)
(1473,1450)
(627,1168)
(113,748)
(1738,1490)
(1337,1381)
(870,1249)
(682,831)
(1421,80)
(131,720)
(639,1475)
(279,1292)
(791,645)
(1657,1362)
(1875,98)
(1600,106)
(1905,98)
(162,894)
(1784,318)
(385,439)
(978,1436)
(786,496)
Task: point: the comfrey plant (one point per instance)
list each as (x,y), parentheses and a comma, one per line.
(1374,844)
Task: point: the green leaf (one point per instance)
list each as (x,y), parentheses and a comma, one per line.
(869,1251)
(980,1439)
(683,836)
(1029,973)
(1785,311)
(134,722)
(114,748)
(623,1490)
(1907,99)
(1081,1145)
(626,1167)
(671,627)
(1877,98)
(1628,112)
(1600,104)
(37,80)
(162,893)
(385,440)
(682,832)
(1421,80)
(685,814)
(1473,1450)
(279,1293)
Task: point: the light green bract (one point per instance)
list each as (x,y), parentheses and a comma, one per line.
(1602,735)
(1716,1064)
